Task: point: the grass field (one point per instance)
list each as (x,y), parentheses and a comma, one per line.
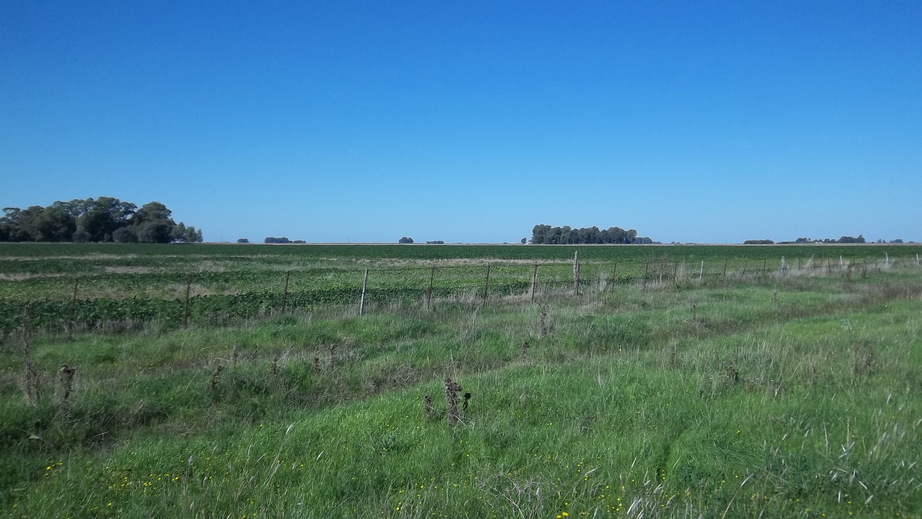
(660,390)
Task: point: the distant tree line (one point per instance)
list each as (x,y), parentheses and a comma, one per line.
(103,219)
(586,235)
(271,239)
(844,239)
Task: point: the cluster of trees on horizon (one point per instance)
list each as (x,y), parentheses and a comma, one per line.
(103,219)
(586,235)
(844,239)
(273,239)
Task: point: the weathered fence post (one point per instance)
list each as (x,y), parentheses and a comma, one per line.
(646,272)
(362,300)
(185,308)
(784,265)
(576,273)
(701,273)
(285,293)
(486,285)
(534,282)
(429,292)
(73,312)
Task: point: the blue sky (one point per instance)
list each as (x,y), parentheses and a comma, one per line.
(710,122)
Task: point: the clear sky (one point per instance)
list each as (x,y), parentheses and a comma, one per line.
(472,121)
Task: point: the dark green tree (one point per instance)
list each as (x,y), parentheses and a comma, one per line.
(101,218)
(153,223)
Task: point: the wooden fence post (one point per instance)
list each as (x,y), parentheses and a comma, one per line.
(185,308)
(486,286)
(362,300)
(701,273)
(576,273)
(646,272)
(429,292)
(534,282)
(285,293)
(73,311)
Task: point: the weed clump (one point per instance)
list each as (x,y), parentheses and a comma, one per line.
(31,378)
(543,321)
(427,406)
(452,389)
(66,377)
(213,381)
(863,354)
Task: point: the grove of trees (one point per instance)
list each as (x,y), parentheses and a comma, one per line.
(103,219)
(283,239)
(844,239)
(587,235)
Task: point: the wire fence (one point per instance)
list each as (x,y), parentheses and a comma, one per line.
(124,301)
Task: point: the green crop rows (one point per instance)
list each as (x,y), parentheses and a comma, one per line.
(102,285)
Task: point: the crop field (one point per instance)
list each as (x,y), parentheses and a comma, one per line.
(92,286)
(412,381)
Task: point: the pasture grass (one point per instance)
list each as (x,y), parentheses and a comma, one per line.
(794,397)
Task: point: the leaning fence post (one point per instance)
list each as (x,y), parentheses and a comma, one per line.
(285,293)
(576,273)
(429,292)
(362,300)
(534,282)
(646,272)
(73,311)
(486,286)
(185,308)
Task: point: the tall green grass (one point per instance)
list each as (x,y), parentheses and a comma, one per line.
(795,397)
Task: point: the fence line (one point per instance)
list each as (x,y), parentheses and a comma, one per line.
(416,285)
